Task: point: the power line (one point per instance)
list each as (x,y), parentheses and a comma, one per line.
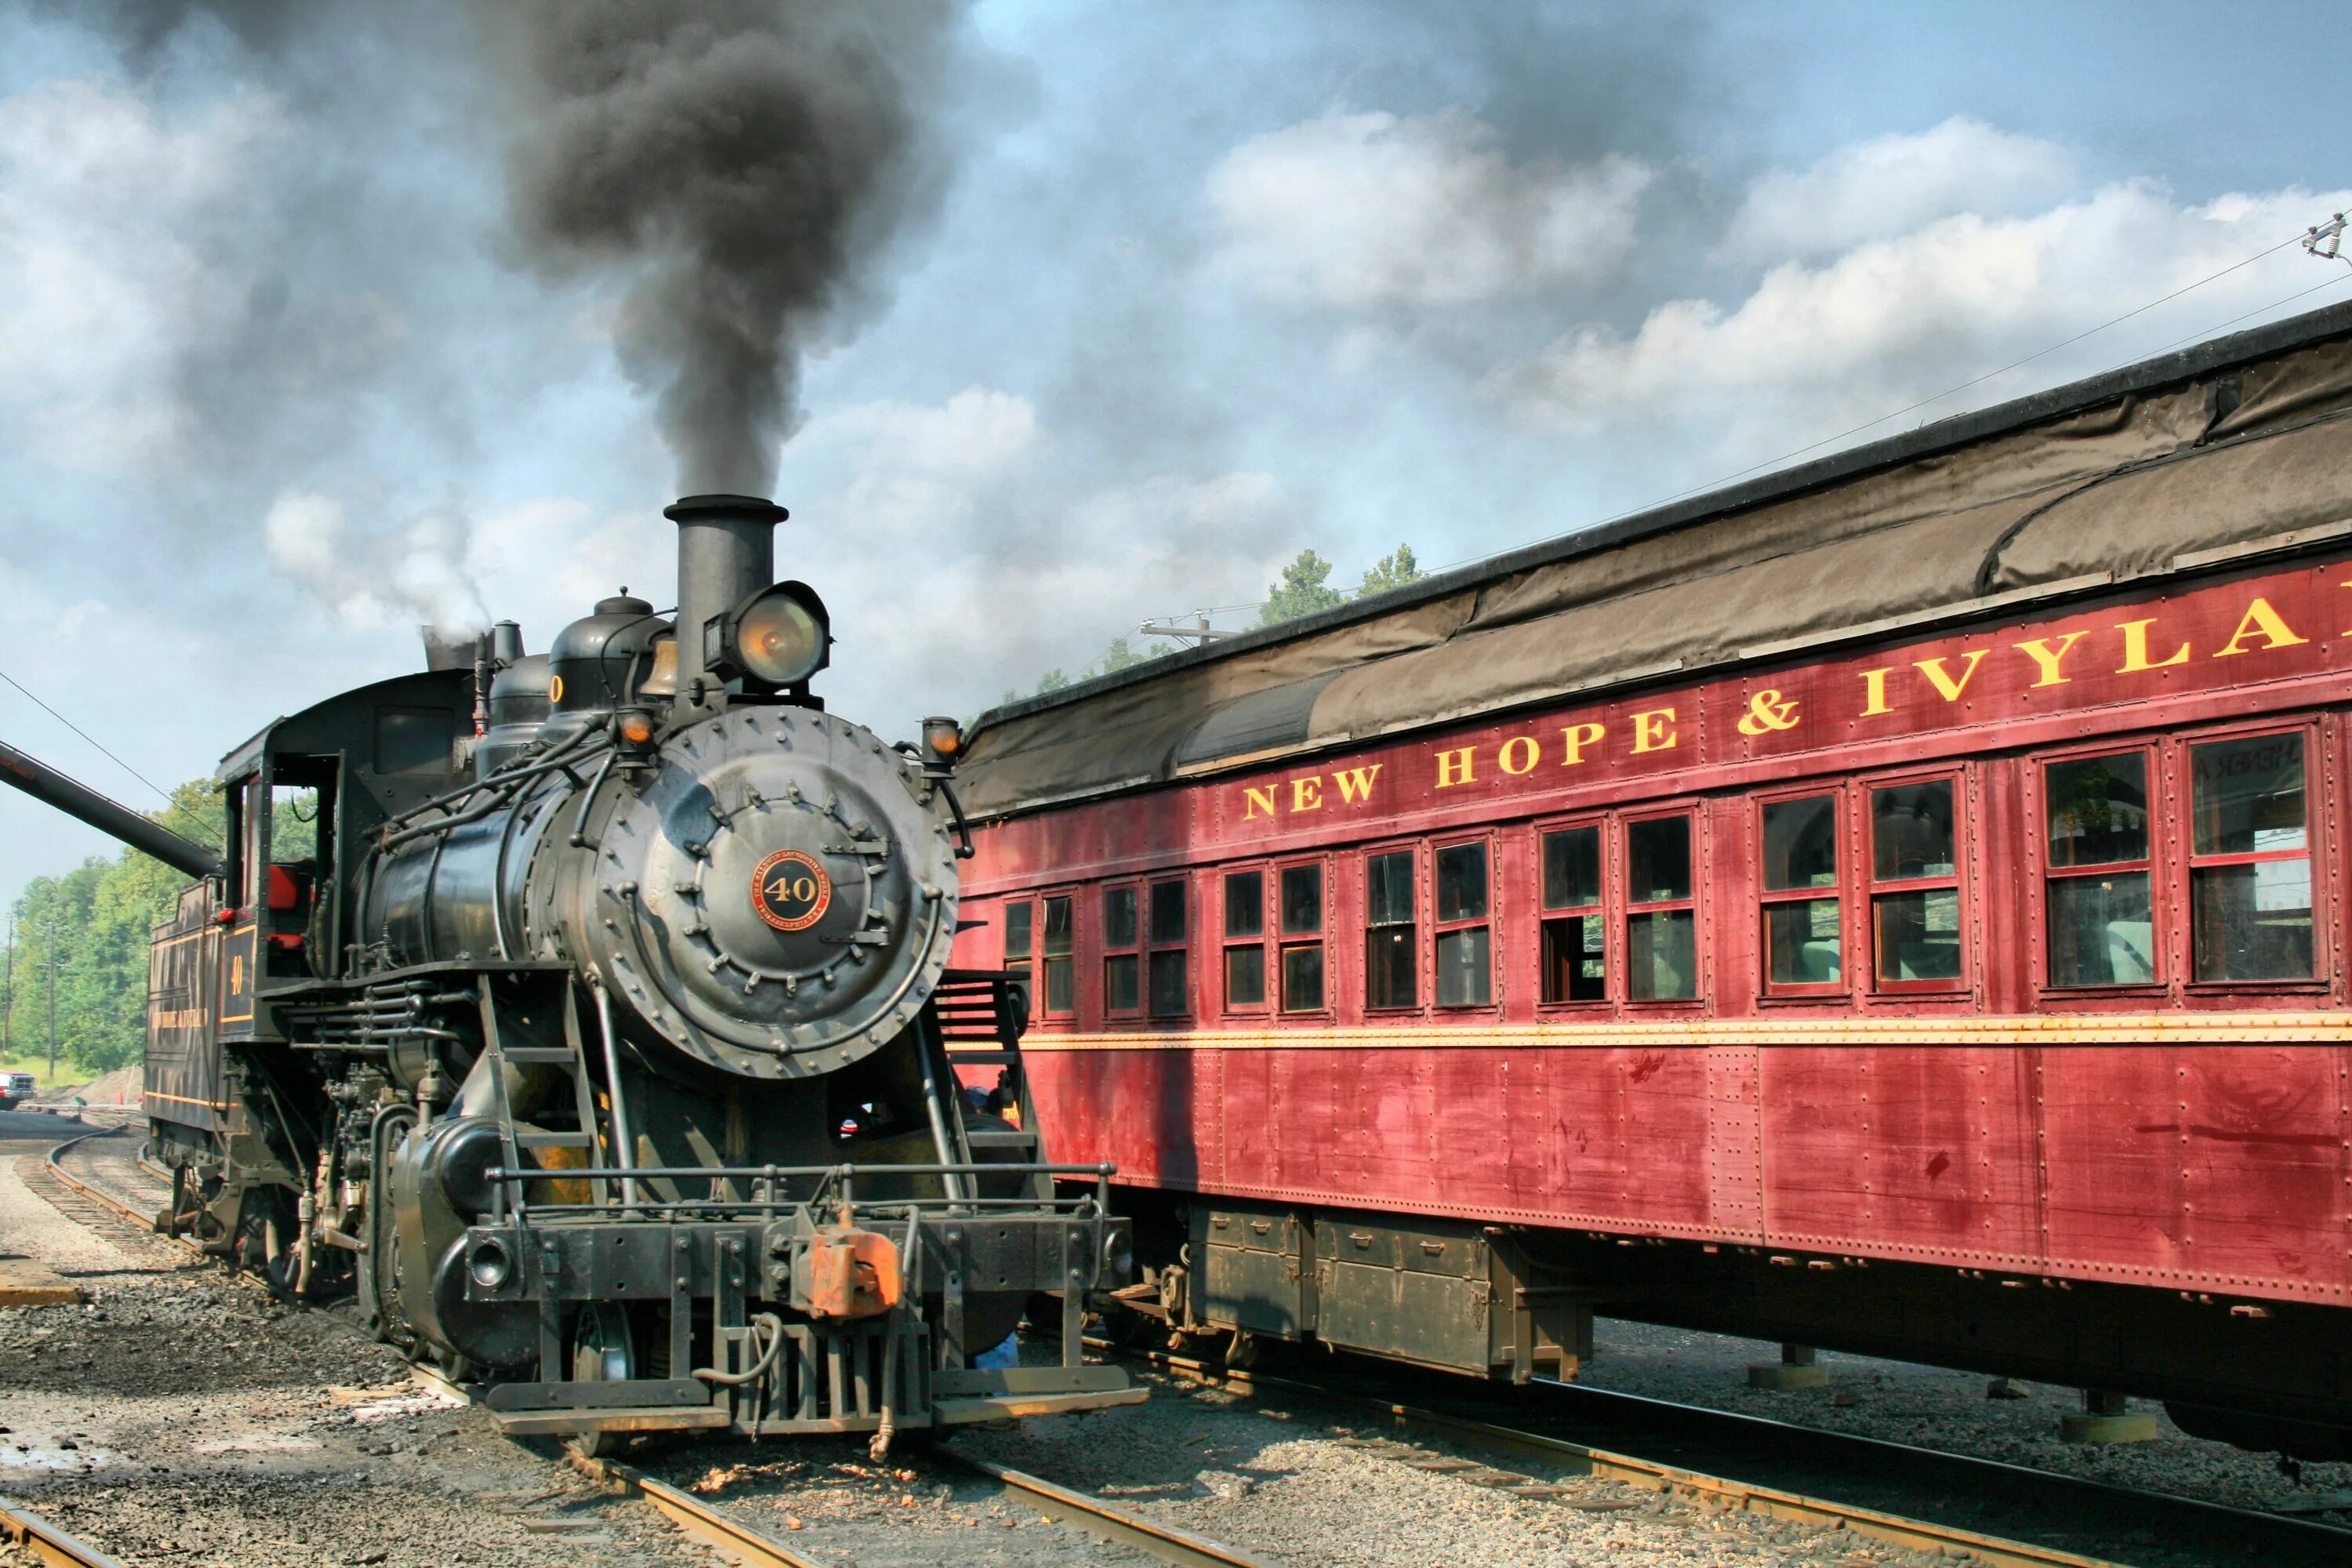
(205,829)
(2339,278)
(2314,240)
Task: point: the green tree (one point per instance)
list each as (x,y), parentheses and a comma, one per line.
(95,921)
(1122,656)
(1391,572)
(1303,591)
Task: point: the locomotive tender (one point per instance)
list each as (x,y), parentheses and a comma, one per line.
(1897,905)
(606,1042)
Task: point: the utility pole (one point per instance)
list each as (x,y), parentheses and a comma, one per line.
(8,989)
(49,930)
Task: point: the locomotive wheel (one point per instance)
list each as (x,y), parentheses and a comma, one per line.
(265,1242)
(602,1352)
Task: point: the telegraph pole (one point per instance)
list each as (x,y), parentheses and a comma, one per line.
(8,989)
(49,930)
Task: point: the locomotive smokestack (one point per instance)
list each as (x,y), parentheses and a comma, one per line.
(726,551)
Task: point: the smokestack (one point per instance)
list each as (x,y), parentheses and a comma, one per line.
(726,551)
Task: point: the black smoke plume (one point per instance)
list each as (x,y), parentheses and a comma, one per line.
(741,163)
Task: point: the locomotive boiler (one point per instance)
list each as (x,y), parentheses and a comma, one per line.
(588,1014)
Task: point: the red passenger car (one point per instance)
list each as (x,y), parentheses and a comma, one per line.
(1898,905)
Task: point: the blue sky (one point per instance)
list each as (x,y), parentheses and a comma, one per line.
(1211,283)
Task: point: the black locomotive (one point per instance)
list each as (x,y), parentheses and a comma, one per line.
(605,1044)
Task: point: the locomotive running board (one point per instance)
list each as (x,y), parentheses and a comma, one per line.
(617,1418)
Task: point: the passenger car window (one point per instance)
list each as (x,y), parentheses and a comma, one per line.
(1244,934)
(1465,970)
(2250,860)
(1802,933)
(1575,934)
(2100,916)
(1661,918)
(1061,979)
(1302,917)
(1915,929)
(1122,966)
(1389,944)
(1166,970)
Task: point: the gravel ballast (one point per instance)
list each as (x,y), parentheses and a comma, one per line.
(178,1417)
(1934,1408)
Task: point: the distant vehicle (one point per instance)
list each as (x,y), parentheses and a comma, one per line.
(16,1088)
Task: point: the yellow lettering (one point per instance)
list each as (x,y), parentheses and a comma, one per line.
(2047,658)
(1650,732)
(1258,800)
(1941,679)
(1767,710)
(2135,649)
(1454,767)
(1306,793)
(2260,619)
(1355,783)
(1511,749)
(1874,687)
(1576,737)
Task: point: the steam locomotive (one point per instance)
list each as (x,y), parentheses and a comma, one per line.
(605,1042)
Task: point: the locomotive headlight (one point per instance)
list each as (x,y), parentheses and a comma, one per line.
(779,637)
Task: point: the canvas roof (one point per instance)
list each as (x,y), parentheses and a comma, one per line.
(2240,444)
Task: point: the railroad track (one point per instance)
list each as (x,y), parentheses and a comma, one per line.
(1802,1475)
(716,1527)
(45,1543)
(87,1201)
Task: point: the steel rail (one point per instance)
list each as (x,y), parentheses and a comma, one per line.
(2310,1543)
(45,1543)
(145,1222)
(694,1517)
(53,1547)
(1104,1522)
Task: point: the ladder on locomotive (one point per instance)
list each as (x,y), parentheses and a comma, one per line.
(982,1015)
(501,1022)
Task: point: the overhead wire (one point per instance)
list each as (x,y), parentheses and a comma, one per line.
(203,827)
(1912,407)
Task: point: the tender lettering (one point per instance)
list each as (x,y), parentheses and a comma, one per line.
(2048,659)
(1575,738)
(2260,620)
(1652,732)
(1769,711)
(1943,680)
(2135,649)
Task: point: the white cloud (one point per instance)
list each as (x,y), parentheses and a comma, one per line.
(416,574)
(1894,184)
(960,559)
(104,282)
(1813,348)
(920,467)
(1369,210)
